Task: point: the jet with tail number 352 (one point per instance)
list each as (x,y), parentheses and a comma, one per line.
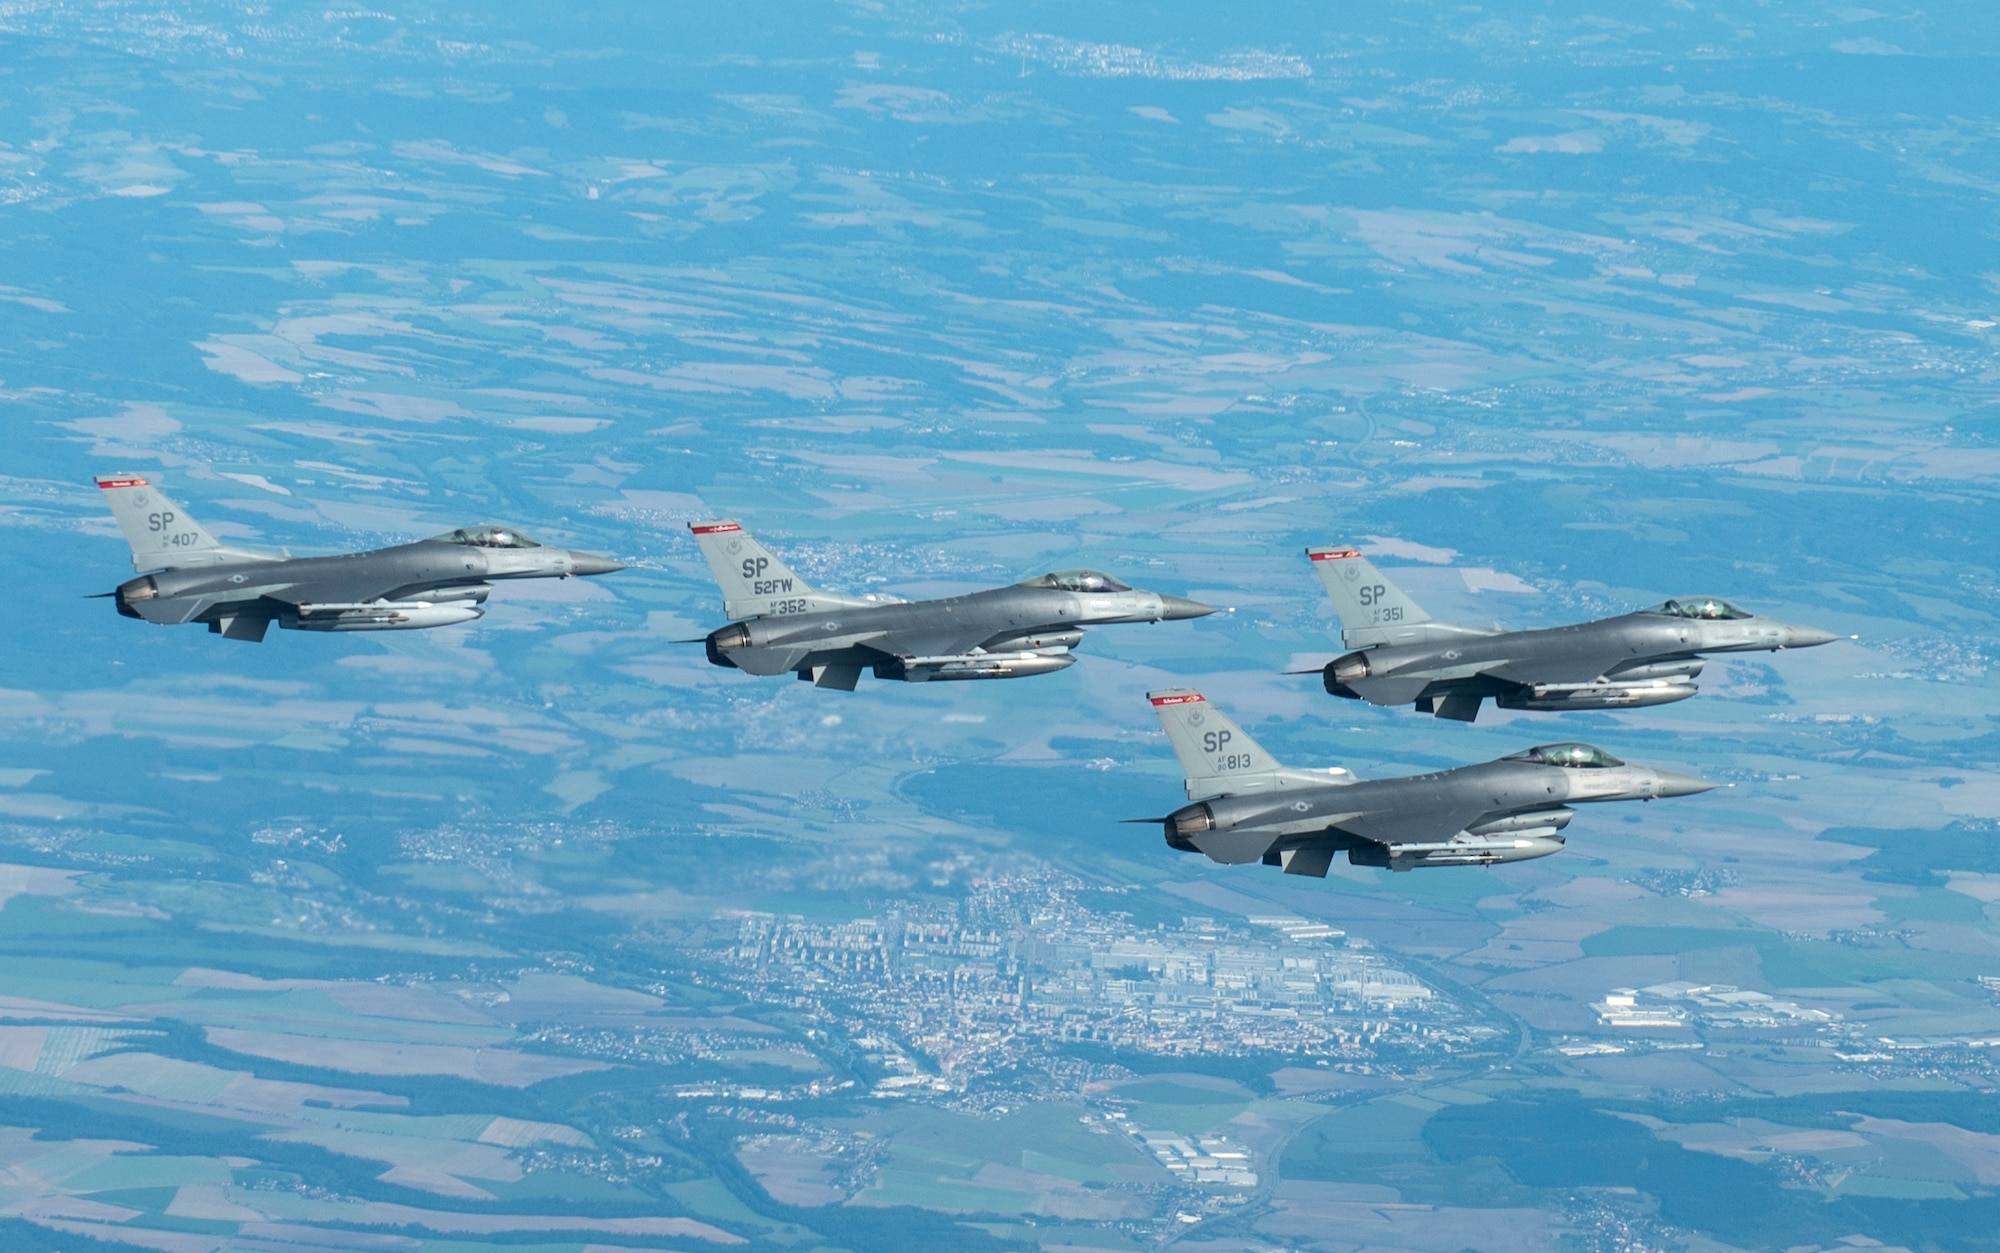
(1650,657)
(784,626)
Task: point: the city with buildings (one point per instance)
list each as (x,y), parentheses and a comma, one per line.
(940,996)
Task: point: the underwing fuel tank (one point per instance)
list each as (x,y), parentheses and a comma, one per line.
(1679,668)
(381,616)
(1484,851)
(1598,695)
(1536,820)
(974,666)
(1039,640)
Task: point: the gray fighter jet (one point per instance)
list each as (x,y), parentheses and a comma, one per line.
(828,640)
(240,592)
(1650,657)
(1249,808)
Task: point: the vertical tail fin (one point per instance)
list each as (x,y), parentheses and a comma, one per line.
(1215,753)
(754,581)
(1372,609)
(162,535)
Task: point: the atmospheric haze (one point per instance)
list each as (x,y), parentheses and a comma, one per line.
(471,921)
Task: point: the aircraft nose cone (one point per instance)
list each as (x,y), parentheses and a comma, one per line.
(591,563)
(1175,608)
(1672,784)
(1807,637)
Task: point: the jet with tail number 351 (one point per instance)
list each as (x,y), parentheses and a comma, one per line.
(1650,657)
(784,626)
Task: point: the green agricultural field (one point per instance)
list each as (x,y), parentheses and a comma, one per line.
(1343,1145)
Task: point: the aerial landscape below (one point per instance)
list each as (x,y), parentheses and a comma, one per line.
(1493,408)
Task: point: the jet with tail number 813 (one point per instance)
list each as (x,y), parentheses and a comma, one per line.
(240,592)
(785,626)
(1248,808)
(1651,657)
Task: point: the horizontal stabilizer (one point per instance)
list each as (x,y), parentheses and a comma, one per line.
(1238,847)
(1390,689)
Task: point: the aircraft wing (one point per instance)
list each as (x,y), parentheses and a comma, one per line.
(347,588)
(1416,824)
(947,641)
(1578,665)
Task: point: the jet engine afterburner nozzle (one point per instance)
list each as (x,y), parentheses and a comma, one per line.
(724,640)
(141,588)
(1187,823)
(1342,671)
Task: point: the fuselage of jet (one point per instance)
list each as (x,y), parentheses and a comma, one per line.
(783,624)
(1005,632)
(435,582)
(1646,658)
(1512,809)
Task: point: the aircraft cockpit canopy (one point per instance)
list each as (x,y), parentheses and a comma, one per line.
(1700,607)
(1078,581)
(1570,756)
(487,537)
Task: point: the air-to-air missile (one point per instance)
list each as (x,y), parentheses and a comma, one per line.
(240,592)
(784,626)
(1248,808)
(1651,657)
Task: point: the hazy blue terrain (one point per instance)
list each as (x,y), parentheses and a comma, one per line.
(543,932)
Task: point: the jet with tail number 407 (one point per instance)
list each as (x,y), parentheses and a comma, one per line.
(240,592)
(784,626)
(1248,808)
(1650,657)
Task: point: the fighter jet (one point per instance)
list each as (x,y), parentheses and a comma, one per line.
(240,592)
(828,640)
(1249,808)
(1650,657)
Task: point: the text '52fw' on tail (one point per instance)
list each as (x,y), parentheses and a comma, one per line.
(1248,808)
(783,625)
(187,575)
(1399,655)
